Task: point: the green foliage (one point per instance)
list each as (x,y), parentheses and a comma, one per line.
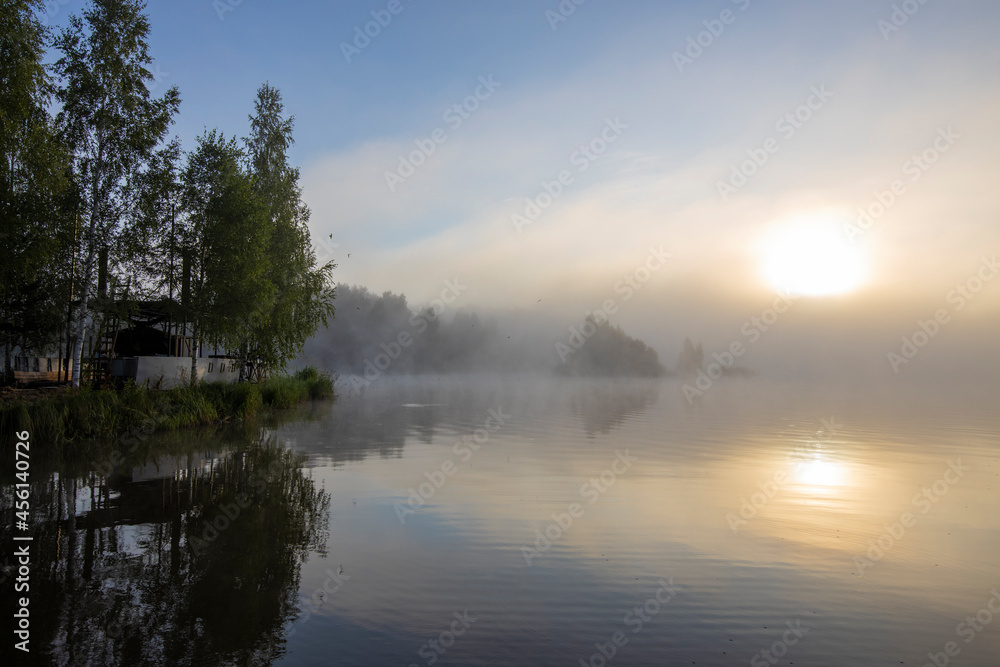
(284,391)
(302,297)
(150,246)
(238,221)
(87,414)
(610,352)
(34,226)
(98,182)
(320,384)
(225,233)
(241,400)
(112,125)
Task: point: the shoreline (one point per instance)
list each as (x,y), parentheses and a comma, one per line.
(78,415)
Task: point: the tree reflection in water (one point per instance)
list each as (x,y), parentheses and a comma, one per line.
(606,405)
(127,571)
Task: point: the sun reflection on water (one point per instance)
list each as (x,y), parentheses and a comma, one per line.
(821,474)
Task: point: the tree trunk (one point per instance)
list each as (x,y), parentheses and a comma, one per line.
(194,355)
(88,267)
(8,374)
(81,321)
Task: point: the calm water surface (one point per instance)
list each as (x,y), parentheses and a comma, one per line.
(507,521)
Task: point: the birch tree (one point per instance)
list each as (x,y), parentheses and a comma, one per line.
(225,236)
(302,292)
(112,124)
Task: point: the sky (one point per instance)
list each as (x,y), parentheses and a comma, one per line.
(729,143)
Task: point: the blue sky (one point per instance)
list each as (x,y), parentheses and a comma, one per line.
(432,50)
(892,91)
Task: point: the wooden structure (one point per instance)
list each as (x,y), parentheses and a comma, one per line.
(146,341)
(29,370)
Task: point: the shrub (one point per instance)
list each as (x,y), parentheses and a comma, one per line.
(320,384)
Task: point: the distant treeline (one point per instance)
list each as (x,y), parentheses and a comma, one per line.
(375,334)
(380,334)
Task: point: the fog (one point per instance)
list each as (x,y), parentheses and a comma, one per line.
(823,341)
(567,178)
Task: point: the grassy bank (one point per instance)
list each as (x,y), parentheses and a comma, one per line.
(88,414)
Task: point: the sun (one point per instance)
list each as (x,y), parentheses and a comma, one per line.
(810,255)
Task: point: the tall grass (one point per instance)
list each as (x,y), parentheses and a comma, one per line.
(88,414)
(320,384)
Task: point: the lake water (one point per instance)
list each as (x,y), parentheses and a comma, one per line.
(516,521)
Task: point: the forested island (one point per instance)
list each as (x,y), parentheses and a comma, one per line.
(376,334)
(382,334)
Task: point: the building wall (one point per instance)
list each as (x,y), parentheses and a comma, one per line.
(38,369)
(174,371)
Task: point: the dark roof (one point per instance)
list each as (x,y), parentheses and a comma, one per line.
(139,312)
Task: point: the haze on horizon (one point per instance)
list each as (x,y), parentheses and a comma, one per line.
(746,158)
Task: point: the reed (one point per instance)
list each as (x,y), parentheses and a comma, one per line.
(89,414)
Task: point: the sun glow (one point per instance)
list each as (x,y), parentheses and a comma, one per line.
(811,255)
(819,472)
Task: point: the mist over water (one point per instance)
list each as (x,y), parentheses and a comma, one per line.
(698,508)
(497,519)
(663,333)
